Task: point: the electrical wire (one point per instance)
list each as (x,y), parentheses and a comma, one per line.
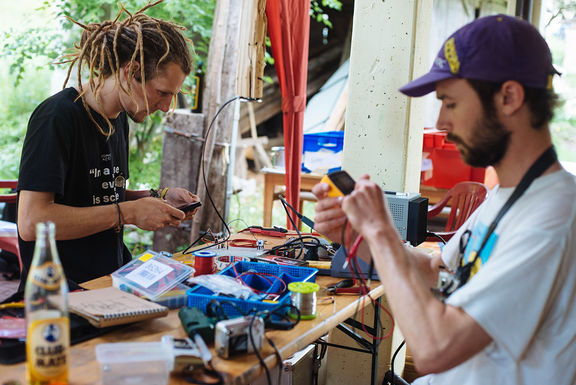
(394,358)
(246,226)
(263,276)
(431,234)
(202,150)
(308,241)
(190,377)
(268,314)
(358,275)
(262,363)
(307,221)
(284,203)
(278,357)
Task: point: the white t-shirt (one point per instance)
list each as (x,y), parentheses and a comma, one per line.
(524,295)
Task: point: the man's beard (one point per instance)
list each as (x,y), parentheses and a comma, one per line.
(488,145)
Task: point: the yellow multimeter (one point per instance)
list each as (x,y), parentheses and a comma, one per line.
(341,183)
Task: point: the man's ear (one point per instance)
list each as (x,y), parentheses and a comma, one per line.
(511,97)
(133,72)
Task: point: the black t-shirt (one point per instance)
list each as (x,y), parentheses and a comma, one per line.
(65,153)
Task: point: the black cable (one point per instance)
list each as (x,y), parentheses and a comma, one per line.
(374,304)
(431,234)
(313,241)
(216,309)
(307,221)
(262,363)
(394,358)
(317,363)
(268,315)
(284,203)
(345,250)
(202,150)
(278,357)
(308,241)
(192,244)
(283,315)
(189,376)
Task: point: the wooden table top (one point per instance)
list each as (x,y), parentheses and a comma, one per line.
(85,370)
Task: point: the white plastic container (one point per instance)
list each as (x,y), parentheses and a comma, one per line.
(135,363)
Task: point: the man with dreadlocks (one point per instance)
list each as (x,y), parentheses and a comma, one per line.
(75,157)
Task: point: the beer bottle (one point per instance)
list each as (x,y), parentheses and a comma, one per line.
(197,89)
(46,297)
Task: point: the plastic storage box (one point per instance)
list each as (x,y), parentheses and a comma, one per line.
(150,275)
(174,298)
(200,296)
(129,363)
(442,166)
(322,151)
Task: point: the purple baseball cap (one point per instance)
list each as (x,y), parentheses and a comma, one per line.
(493,48)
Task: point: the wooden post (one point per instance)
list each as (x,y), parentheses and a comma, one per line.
(252,47)
(180,162)
(186,132)
(220,87)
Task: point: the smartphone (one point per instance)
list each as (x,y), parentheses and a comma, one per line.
(190,207)
(341,183)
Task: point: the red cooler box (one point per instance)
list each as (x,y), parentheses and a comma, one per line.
(442,166)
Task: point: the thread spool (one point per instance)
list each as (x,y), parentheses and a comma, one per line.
(303,297)
(204,262)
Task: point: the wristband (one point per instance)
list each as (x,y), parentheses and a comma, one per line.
(163,193)
(154,193)
(119,226)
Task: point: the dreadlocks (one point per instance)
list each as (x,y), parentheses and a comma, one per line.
(107,47)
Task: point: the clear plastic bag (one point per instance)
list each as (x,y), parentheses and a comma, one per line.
(224,285)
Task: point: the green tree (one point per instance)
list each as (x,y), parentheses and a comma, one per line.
(32,51)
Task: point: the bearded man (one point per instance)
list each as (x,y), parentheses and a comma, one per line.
(506,312)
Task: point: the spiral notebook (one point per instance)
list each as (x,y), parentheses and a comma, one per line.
(111,306)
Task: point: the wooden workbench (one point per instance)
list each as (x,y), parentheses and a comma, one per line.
(85,370)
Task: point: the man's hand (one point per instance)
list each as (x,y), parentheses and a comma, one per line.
(366,208)
(329,217)
(178,197)
(150,213)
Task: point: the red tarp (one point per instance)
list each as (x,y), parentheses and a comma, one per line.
(289,31)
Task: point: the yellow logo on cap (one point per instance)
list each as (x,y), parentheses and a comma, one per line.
(452,56)
(550,85)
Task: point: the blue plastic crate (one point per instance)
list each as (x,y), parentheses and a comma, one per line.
(200,296)
(331,141)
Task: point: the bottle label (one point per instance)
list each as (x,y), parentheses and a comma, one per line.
(47,349)
(47,276)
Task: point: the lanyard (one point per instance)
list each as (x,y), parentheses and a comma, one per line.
(547,159)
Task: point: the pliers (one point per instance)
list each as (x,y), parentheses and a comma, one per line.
(271,232)
(346,286)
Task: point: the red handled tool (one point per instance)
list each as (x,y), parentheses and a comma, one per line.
(271,232)
(346,286)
